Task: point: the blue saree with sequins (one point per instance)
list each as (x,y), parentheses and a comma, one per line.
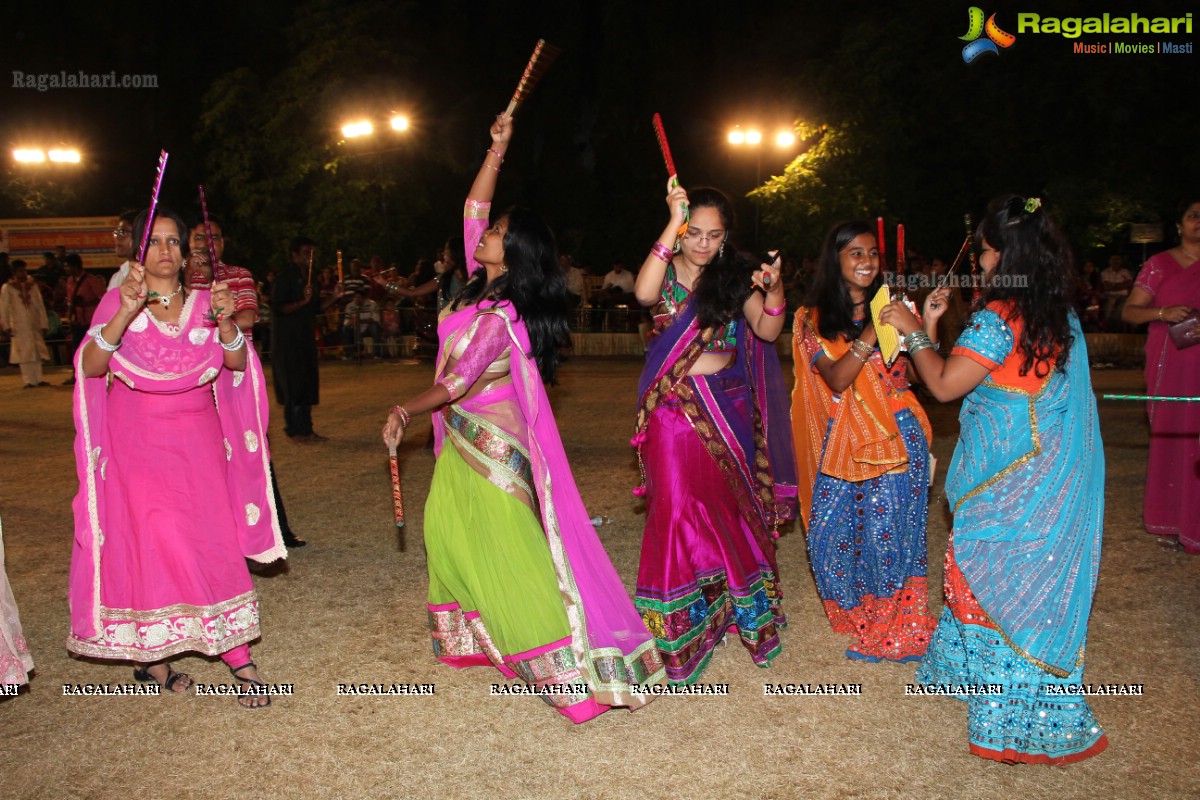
(1026,486)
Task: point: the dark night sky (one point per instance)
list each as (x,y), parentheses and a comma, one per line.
(704,65)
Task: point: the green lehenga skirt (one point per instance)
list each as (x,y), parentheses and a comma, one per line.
(493,595)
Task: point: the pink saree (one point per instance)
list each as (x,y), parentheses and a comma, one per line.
(1172,501)
(510,431)
(171,455)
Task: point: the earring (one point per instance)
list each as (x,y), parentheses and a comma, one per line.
(503,268)
(721,250)
(678,245)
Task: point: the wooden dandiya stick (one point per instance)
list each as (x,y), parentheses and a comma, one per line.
(661,134)
(901,257)
(1151,397)
(539,62)
(339,265)
(308,280)
(971,256)
(397,498)
(158,178)
(957,260)
(212,247)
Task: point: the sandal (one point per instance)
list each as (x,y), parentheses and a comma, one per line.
(245,693)
(142,675)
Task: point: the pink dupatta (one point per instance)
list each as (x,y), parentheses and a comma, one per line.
(608,638)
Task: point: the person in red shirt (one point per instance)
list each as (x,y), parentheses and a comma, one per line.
(84,291)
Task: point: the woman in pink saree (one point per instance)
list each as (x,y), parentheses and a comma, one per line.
(1166,291)
(518,579)
(171,454)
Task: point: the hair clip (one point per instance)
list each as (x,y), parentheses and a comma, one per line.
(1033,204)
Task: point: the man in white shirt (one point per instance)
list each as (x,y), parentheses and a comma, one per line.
(123,247)
(576,280)
(1117,281)
(617,289)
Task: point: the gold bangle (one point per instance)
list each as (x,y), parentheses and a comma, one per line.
(1160,310)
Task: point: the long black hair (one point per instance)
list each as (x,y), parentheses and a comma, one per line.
(724,282)
(1036,275)
(829,293)
(535,285)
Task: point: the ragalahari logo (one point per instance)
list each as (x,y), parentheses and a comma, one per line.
(976,28)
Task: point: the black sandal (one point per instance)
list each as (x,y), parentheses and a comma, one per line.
(142,675)
(244,692)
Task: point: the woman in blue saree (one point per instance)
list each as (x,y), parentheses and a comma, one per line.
(1026,487)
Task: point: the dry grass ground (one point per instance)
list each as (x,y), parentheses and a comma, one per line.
(349,608)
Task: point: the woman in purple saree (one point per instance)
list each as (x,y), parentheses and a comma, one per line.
(714,442)
(1166,291)
(172,459)
(518,579)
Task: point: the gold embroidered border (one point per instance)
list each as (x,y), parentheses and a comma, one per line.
(483,453)
(1021,460)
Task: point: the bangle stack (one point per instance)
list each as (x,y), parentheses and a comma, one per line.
(237,342)
(774,312)
(98,338)
(496,153)
(861,350)
(917,341)
(403,415)
(661,252)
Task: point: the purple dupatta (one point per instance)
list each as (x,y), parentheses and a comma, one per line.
(766,492)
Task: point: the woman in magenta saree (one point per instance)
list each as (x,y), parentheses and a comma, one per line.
(518,579)
(714,442)
(1167,290)
(171,454)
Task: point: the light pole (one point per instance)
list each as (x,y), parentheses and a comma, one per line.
(752,138)
(360,128)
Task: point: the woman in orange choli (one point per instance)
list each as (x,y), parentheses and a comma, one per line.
(862,453)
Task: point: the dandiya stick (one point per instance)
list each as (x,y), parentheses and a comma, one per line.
(212,247)
(879,243)
(539,62)
(901,258)
(661,133)
(162,167)
(339,265)
(397,498)
(957,260)
(308,280)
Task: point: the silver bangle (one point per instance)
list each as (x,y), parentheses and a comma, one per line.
(237,342)
(98,338)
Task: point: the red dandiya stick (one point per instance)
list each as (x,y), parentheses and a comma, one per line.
(661,133)
(397,498)
(901,257)
(339,265)
(162,167)
(518,95)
